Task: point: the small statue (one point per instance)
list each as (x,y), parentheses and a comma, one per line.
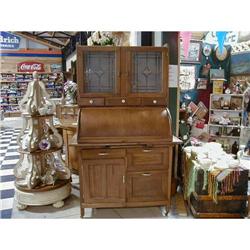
(70,90)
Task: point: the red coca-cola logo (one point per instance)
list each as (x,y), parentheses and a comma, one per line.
(30,67)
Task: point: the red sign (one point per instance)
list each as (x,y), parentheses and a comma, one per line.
(30,67)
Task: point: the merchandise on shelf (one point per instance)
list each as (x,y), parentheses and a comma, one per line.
(227,119)
(14,86)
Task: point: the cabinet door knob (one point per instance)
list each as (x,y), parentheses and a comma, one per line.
(146,174)
(154,101)
(123,100)
(91,101)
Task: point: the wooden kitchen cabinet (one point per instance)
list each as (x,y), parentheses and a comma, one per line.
(103,181)
(124,137)
(122,76)
(146,71)
(150,187)
(98,72)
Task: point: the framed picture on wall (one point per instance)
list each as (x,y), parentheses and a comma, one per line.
(217,74)
(194,52)
(187,77)
(201,83)
(240,63)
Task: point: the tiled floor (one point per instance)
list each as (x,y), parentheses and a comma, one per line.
(8,159)
(9,156)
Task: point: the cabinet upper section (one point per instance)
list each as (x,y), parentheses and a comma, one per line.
(122,76)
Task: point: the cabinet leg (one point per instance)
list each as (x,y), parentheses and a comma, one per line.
(82,212)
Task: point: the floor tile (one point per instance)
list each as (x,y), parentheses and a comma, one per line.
(4,172)
(7,178)
(7,162)
(7,166)
(13,153)
(7,185)
(6,214)
(6,203)
(8,193)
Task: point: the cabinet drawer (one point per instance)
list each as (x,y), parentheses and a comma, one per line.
(148,159)
(154,101)
(147,186)
(103,153)
(120,101)
(91,102)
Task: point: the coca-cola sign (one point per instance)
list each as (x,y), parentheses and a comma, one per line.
(30,67)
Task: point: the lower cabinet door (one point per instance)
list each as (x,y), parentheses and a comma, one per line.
(103,180)
(147,186)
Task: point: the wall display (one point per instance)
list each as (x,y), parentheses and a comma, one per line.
(236,103)
(217,74)
(207,50)
(9,41)
(202,83)
(205,70)
(221,56)
(226,118)
(238,84)
(218,86)
(55,68)
(240,64)
(231,38)
(30,67)
(194,52)
(173,76)
(187,77)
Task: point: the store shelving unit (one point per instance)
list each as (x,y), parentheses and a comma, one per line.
(226,118)
(14,86)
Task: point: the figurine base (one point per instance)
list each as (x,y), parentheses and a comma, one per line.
(54,196)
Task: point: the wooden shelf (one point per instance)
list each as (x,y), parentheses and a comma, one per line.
(226,136)
(28,73)
(228,126)
(241,95)
(21,84)
(226,110)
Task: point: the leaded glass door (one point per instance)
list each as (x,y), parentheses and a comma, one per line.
(147,70)
(100,71)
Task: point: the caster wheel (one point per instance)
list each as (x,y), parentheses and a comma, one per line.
(164,211)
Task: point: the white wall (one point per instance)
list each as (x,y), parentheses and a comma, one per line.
(135,38)
(71,57)
(157,41)
(28,44)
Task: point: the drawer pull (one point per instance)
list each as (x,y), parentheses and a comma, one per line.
(103,153)
(91,101)
(146,174)
(154,101)
(147,150)
(123,100)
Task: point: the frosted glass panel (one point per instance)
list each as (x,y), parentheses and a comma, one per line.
(100,72)
(147,72)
